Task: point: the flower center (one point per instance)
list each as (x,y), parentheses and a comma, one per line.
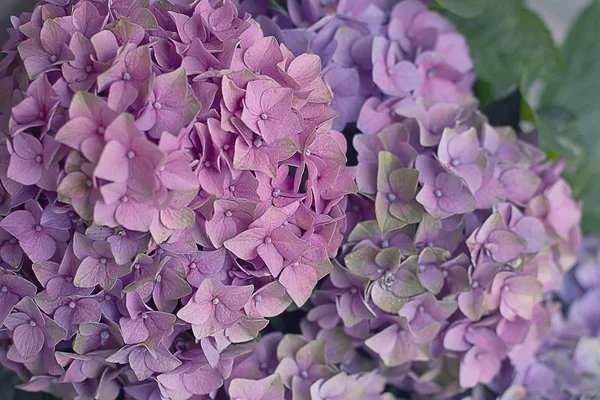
(38,228)
(144,315)
(445,273)
(475,284)
(433,128)
(207,164)
(159,279)
(258,142)
(4,289)
(69,279)
(307,153)
(103,260)
(268,240)
(431,73)
(42,115)
(124,199)
(130,154)
(276,193)
(38,159)
(232,188)
(157,105)
(226,147)
(13,241)
(455,162)
(385,244)
(389,71)
(126,76)
(32,323)
(258,298)
(136,266)
(53,58)
(353,290)
(263,365)
(264,116)
(505,288)
(107,298)
(430,244)
(420,309)
(391,196)
(88,183)
(304,373)
(228,213)
(101,130)
(215,301)
(193,265)
(438,193)
(104,335)
(89,68)
(72,304)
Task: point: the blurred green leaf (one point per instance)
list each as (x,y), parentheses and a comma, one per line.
(464,8)
(579,90)
(507,40)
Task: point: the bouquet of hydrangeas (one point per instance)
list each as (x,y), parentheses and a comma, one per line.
(173,179)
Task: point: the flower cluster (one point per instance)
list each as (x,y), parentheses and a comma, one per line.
(460,231)
(169,179)
(374,54)
(561,360)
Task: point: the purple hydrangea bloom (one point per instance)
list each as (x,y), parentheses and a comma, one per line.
(146,142)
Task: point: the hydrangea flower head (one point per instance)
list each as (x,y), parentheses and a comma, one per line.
(170,179)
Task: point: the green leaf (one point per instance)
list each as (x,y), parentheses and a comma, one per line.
(464,8)
(579,91)
(507,40)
